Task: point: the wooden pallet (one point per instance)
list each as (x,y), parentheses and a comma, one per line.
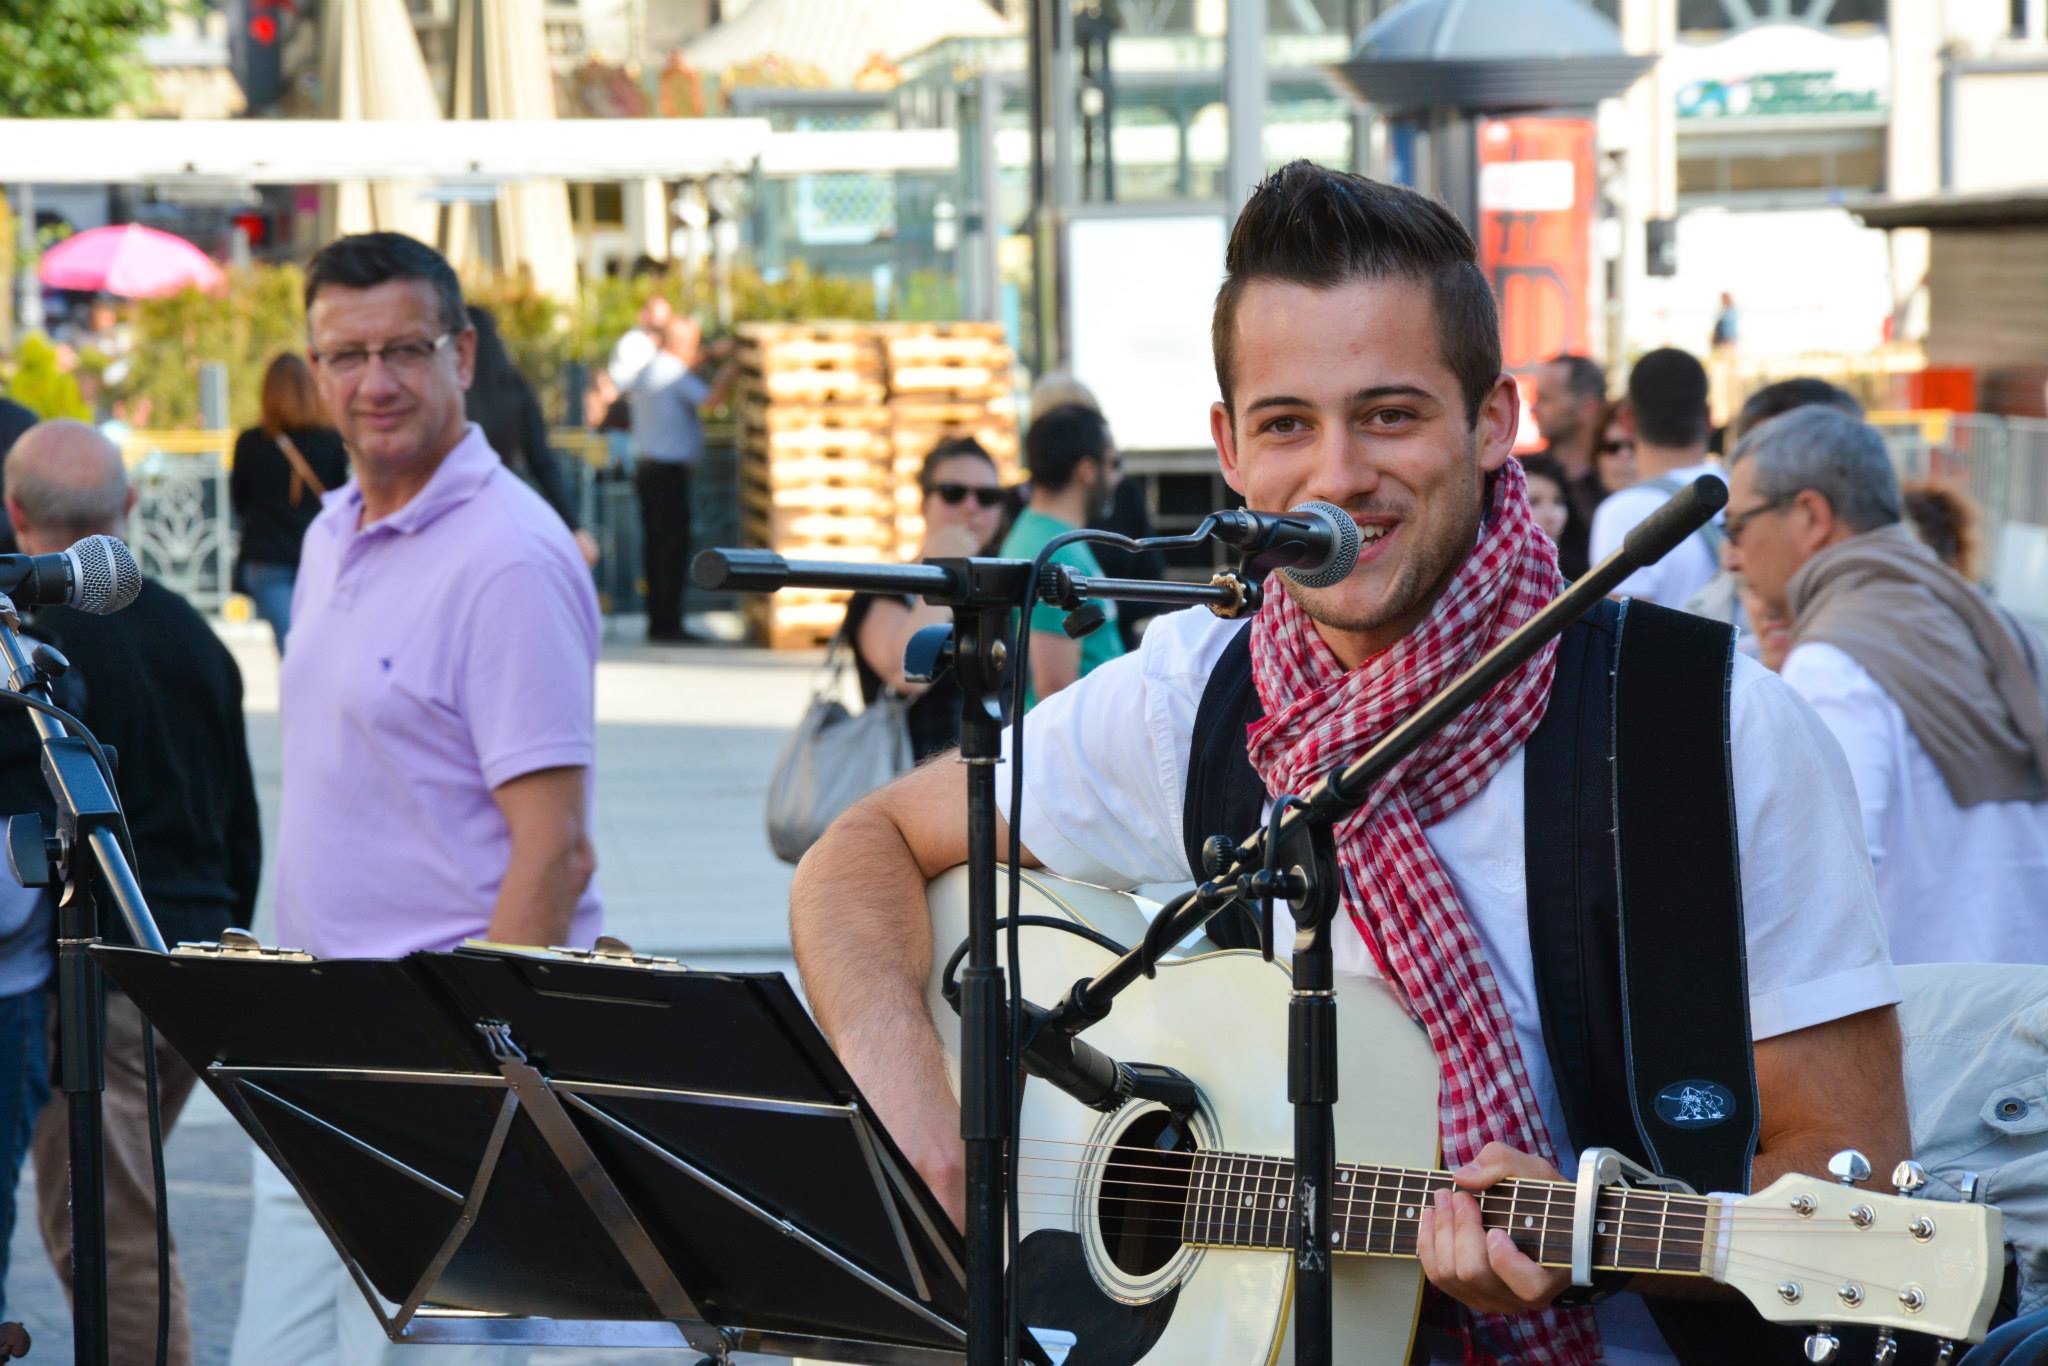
(804,623)
(757,414)
(797,530)
(781,487)
(837,353)
(908,352)
(816,482)
(817,385)
(941,410)
(991,331)
(951,383)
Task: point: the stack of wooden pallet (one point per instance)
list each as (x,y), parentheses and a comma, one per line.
(945,380)
(815,472)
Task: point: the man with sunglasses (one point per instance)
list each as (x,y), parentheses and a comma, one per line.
(438,714)
(1073,464)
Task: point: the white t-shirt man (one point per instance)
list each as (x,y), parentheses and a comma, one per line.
(1672,581)
(1956,883)
(1106,767)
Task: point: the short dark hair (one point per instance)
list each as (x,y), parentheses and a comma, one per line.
(369,259)
(1667,392)
(1546,467)
(1059,441)
(1583,375)
(950,448)
(1309,225)
(1775,400)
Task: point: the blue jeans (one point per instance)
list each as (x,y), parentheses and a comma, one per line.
(24,1087)
(269,586)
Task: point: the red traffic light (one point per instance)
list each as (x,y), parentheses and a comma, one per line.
(263,28)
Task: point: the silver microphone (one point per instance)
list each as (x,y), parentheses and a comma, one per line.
(97,575)
(1315,544)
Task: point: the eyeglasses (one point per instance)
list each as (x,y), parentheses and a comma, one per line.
(403,357)
(1734,524)
(956,494)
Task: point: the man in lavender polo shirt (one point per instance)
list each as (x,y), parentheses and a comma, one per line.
(437,710)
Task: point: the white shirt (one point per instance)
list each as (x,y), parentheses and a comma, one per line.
(1955,882)
(1106,770)
(1672,581)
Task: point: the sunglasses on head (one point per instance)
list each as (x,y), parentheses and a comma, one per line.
(956,494)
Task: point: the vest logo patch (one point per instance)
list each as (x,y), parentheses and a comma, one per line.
(1694,1104)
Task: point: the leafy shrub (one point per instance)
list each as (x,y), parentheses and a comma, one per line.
(38,384)
(249,321)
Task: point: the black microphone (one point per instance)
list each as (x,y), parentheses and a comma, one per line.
(1315,544)
(1685,512)
(97,575)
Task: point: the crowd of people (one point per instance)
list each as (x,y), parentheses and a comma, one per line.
(1878,723)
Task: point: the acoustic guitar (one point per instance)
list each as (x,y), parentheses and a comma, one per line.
(1153,1236)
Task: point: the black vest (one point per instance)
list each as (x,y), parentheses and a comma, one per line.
(1635,909)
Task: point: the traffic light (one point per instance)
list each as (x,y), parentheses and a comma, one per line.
(256,38)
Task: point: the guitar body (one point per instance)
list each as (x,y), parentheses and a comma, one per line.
(1108,1270)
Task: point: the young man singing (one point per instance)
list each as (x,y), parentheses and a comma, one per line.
(1358,356)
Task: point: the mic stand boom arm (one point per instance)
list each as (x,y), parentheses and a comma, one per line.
(86,840)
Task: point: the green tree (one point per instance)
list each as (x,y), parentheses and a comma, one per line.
(242,326)
(73,59)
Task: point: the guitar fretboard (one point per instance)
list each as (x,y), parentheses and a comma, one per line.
(1241,1200)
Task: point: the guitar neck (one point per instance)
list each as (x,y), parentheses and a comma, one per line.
(1241,1200)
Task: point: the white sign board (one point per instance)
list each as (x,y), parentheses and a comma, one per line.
(1140,291)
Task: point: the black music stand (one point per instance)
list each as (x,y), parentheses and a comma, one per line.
(573,1149)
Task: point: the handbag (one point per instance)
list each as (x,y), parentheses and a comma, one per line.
(836,757)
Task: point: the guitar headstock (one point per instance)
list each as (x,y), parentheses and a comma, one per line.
(1809,1250)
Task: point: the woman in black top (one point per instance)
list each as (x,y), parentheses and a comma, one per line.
(502,403)
(962,511)
(276,492)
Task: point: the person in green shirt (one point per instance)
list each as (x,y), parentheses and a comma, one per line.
(1073,465)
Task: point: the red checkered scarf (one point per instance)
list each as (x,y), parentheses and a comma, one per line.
(1318,717)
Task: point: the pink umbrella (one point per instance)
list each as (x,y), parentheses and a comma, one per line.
(130,260)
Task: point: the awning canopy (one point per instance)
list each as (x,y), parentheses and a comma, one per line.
(1989,209)
(495,151)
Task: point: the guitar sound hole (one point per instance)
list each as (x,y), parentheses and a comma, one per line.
(1145,1193)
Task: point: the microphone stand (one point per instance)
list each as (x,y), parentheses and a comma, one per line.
(86,840)
(982,592)
(1294,858)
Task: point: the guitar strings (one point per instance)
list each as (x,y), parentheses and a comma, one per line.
(1397,1179)
(1226,1238)
(1626,1223)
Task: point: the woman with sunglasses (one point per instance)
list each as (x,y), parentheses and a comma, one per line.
(963,501)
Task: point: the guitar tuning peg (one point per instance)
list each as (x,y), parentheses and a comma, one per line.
(1908,1177)
(1849,1167)
(1821,1345)
(1887,1351)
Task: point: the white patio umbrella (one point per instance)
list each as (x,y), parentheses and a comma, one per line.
(371,69)
(502,71)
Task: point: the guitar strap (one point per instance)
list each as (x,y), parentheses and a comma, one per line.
(1634,893)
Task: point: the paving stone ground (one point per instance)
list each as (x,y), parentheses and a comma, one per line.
(686,739)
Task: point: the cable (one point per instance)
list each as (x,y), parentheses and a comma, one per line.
(99,755)
(1020,656)
(154,1104)
(949,987)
